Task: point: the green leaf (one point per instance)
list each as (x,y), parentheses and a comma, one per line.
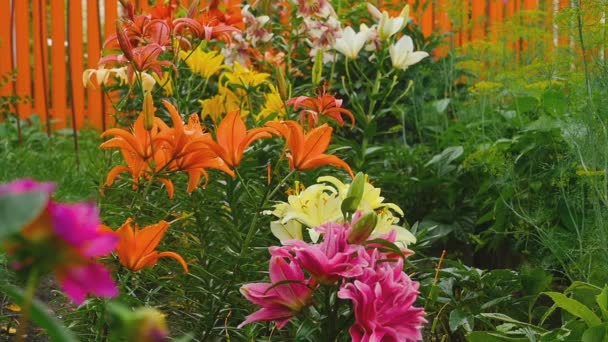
(17,210)
(595,334)
(505,318)
(459,318)
(389,246)
(575,308)
(484,336)
(40,315)
(602,301)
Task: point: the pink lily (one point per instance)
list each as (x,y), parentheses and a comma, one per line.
(383,298)
(332,259)
(287,293)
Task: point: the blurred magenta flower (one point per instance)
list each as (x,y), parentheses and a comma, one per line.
(383,298)
(64,239)
(287,293)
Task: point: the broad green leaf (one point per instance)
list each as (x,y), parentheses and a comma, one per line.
(41,315)
(459,318)
(602,301)
(575,308)
(17,210)
(441,105)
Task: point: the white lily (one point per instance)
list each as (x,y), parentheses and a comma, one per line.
(102,76)
(350,43)
(292,230)
(387,222)
(403,54)
(388,26)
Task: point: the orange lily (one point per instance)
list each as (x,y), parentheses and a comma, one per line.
(136,247)
(306,151)
(189,148)
(136,149)
(233,138)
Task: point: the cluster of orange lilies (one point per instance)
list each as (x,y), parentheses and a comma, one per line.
(152,152)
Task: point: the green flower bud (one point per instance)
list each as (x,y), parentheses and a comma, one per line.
(362,229)
(317,68)
(148,111)
(354,195)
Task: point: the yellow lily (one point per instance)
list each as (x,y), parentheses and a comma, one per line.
(165,83)
(219,105)
(203,63)
(245,77)
(273,104)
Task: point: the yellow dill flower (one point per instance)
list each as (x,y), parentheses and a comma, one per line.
(217,106)
(590,173)
(542,85)
(203,63)
(165,83)
(245,77)
(273,104)
(485,88)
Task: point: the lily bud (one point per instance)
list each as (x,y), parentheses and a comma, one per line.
(151,326)
(141,325)
(362,229)
(354,195)
(282,84)
(148,111)
(317,68)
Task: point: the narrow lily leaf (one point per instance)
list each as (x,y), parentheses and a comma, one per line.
(391,247)
(17,210)
(576,308)
(40,315)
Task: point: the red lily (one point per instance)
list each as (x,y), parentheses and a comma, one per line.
(210,24)
(323,104)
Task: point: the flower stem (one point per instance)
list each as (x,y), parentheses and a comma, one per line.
(244,247)
(26,307)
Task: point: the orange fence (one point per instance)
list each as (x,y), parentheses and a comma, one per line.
(51,42)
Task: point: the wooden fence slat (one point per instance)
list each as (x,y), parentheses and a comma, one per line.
(40,60)
(58,65)
(76,61)
(442,24)
(6,54)
(478,18)
(427,18)
(563,34)
(23,84)
(95,107)
(465,30)
(495,19)
(111,15)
